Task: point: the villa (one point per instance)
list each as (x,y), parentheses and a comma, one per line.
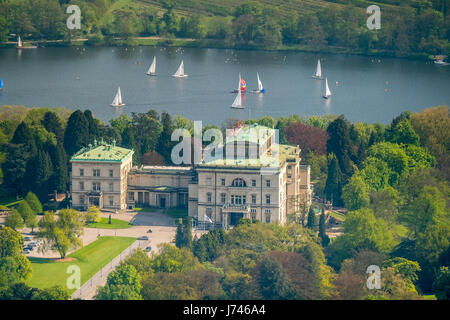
(257,179)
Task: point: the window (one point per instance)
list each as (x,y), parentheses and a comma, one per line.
(111,201)
(111,172)
(223,197)
(81,199)
(267,218)
(208,181)
(209,197)
(253,198)
(96,172)
(253,183)
(209,212)
(111,187)
(131,196)
(267,198)
(238,182)
(222,181)
(81,172)
(268,183)
(96,186)
(81,185)
(289,176)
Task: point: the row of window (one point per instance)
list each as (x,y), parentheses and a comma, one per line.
(82,200)
(96,186)
(238,182)
(96,172)
(236,199)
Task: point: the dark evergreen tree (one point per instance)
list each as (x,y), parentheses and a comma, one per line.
(129,141)
(311,223)
(15,167)
(60,178)
(52,124)
(164,146)
(76,135)
(93,128)
(333,186)
(341,145)
(39,171)
(24,136)
(322,230)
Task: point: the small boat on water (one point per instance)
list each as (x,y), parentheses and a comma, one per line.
(242,85)
(327,90)
(318,74)
(180,71)
(237,103)
(441,62)
(117,102)
(21,46)
(260,85)
(152,70)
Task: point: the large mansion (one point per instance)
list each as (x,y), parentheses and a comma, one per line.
(257,178)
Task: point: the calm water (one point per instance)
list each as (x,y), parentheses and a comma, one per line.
(368,89)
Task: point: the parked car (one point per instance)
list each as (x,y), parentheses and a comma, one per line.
(149,231)
(148,249)
(26,251)
(143,238)
(27,238)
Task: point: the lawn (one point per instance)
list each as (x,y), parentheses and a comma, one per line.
(145,209)
(337,215)
(9,201)
(115,224)
(177,213)
(90,259)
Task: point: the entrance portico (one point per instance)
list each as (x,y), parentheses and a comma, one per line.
(232,213)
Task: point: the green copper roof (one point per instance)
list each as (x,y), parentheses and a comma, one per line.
(102,152)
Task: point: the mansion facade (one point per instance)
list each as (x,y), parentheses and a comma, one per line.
(257,179)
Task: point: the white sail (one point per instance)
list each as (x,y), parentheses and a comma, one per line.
(180,71)
(327,89)
(260,86)
(19,42)
(152,68)
(318,73)
(238,100)
(117,102)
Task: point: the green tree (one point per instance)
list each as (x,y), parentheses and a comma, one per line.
(14,220)
(92,214)
(273,282)
(61,234)
(441,285)
(33,202)
(355,194)
(76,135)
(311,222)
(333,186)
(322,230)
(122,284)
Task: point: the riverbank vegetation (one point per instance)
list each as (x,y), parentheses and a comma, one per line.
(408,28)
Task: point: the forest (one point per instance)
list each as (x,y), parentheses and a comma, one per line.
(412,28)
(393,179)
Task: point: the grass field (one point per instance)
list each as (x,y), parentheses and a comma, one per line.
(145,209)
(337,215)
(115,224)
(90,259)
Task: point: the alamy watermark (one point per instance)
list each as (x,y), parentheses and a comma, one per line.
(74,280)
(374,278)
(374,20)
(74,20)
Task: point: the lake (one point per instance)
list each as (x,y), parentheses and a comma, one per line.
(363,88)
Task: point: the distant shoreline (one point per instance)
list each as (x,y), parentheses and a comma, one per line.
(215,44)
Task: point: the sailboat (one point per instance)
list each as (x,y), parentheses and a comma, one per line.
(21,46)
(260,86)
(152,70)
(117,102)
(327,90)
(237,103)
(318,74)
(180,71)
